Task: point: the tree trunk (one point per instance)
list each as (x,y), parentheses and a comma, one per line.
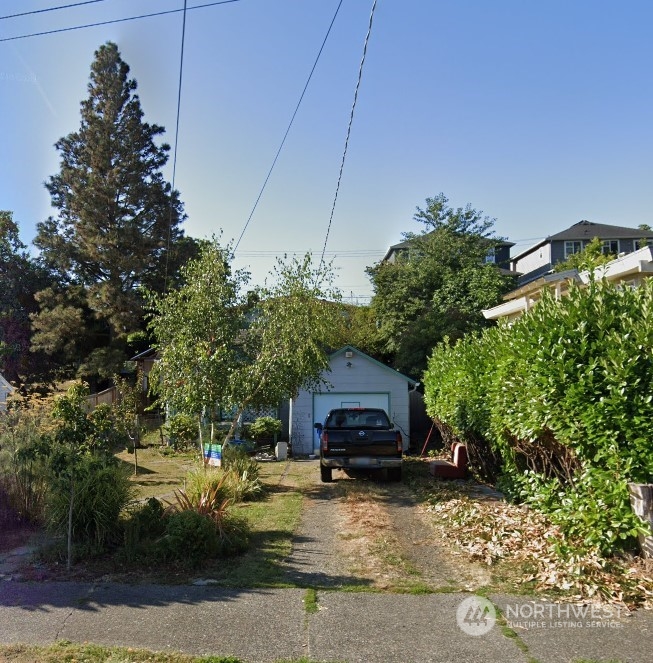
(199,423)
(137,440)
(69,561)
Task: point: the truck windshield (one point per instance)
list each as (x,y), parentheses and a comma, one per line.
(357,419)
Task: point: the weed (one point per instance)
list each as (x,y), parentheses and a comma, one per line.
(310,601)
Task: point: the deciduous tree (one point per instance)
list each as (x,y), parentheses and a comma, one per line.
(21,278)
(439,286)
(219,346)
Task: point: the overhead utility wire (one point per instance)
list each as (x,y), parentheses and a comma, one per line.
(51,9)
(174,153)
(117,20)
(292,119)
(351,120)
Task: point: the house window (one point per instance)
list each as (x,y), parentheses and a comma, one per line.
(643,243)
(490,256)
(610,247)
(572,247)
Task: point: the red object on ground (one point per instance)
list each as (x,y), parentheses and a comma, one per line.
(456,469)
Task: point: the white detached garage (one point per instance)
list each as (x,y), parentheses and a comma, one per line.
(356,380)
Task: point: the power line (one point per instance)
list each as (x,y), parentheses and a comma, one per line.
(351,120)
(362,253)
(292,119)
(117,20)
(174,154)
(51,9)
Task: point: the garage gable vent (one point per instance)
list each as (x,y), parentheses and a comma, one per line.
(349,354)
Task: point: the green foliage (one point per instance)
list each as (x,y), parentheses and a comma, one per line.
(588,259)
(438,286)
(84,478)
(102,491)
(217,346)
(196,328)
(238,478)
(265,427)
(190,539)
(206,481)
(232,534)
(243,482)
(23,467)
(22,277)
(181,430)
(564,398)
(117,228)
(143,526)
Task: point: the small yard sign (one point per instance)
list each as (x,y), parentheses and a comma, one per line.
(213,454)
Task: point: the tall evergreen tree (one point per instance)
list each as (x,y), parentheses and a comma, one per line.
(117,228)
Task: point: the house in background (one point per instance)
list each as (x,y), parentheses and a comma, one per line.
(498,255)
(5,390)
(357,380)
(629,269)
(541,258)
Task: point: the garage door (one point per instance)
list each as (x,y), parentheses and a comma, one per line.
(322,403)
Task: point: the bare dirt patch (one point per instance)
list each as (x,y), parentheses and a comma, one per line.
(390,543)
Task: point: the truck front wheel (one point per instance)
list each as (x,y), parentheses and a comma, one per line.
(326,474)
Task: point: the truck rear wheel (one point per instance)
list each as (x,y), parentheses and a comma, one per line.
(326,474)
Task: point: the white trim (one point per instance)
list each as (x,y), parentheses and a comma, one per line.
(521,300)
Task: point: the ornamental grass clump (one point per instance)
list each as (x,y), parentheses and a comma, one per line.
(232,533)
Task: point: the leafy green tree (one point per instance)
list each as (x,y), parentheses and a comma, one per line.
(220,347)
(293,325)
(117,229)
(588,259)
(21,278)
(439,286)
(358,328)
(196,329)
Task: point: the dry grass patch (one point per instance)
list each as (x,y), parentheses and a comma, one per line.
(368,540)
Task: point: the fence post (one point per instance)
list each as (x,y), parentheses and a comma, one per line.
(641,501)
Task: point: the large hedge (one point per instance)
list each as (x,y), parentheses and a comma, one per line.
(558,406)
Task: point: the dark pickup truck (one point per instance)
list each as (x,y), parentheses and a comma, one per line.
(359,438)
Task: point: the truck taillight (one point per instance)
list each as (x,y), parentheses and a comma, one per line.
(400,443)
(325,441)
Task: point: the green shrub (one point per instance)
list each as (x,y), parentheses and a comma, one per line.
(190,538)
(243,482)
(207,498)
(563,397)
(23,469)
(143,526)
(102,491)
(265,427)
(182,430)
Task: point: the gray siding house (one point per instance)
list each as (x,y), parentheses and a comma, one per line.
(498,254)
(541,258)
(357,380)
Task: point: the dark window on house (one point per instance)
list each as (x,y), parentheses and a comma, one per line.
(610,247)
(490,256)
(641,243)
(573,246)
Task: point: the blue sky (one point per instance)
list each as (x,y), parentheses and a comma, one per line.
(537,113)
